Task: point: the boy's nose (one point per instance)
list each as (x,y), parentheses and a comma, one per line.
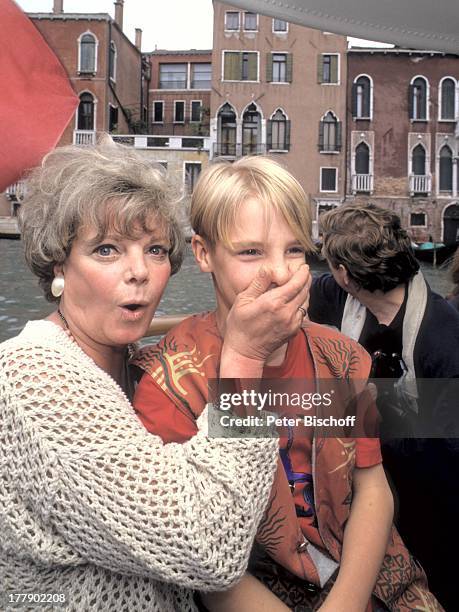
(281,273)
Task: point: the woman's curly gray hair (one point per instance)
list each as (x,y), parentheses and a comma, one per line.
(108,186)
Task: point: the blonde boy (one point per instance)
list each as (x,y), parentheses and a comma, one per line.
(334,532)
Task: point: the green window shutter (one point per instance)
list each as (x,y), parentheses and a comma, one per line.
(232,68)
(269,67)
(334,69)
(321,135)
(253,67)
(410,101)
(289,67)
(269,135)
(320,68)
(287,135)
(338,135)
(354,100)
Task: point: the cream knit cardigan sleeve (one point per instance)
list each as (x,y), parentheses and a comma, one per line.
(82,482)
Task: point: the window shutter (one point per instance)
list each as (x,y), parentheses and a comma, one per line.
(354,100)
(423,102)
(269,135)
(269,67)
(252,67)
(287,135)
(321,135)
(232,70)
(338,135)
(334,69)
(289,67)
(366,97)
(410,101)
(320,68)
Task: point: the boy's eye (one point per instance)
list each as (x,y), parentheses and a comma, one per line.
(105,250)
(250,252)
(297,250)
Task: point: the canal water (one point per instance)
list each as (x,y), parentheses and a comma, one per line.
(188,291)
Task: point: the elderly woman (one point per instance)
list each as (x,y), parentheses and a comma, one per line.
(95,513)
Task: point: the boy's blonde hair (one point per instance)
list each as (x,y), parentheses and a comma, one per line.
(224,186)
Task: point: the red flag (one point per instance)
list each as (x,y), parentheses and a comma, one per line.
(36,98)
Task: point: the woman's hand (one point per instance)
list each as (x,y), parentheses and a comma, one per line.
(262,319)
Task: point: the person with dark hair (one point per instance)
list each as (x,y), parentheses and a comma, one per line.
(377,295)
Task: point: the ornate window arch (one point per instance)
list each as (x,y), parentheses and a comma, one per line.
(329,133)
(362,97)
(446,169)
(86,113)
(112,61)
(278,131)
(447,99)
(87,53)
(418,160)
(419,99)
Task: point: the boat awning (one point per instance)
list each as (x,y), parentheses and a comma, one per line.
(416,24)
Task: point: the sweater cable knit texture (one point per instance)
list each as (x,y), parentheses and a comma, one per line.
(93,506)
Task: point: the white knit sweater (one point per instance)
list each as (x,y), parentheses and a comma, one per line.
(95,507)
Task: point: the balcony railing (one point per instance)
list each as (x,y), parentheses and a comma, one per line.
(232,149)
(147,141)
(84,138)
(16,191)
(362,183)
(420,184)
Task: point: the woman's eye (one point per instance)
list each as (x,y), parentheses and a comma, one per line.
(297,250)
(105,250)
(159,251)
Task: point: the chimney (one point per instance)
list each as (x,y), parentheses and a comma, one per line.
(58,6)
(138,39)
(119,13)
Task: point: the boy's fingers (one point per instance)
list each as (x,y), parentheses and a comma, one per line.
(297,288)
(259,285)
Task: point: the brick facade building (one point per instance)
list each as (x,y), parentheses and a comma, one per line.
(279,88)
(104,68)
(402,141)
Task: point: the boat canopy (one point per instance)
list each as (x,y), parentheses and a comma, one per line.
(417,24)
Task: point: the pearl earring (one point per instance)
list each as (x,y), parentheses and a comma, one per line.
(57,286)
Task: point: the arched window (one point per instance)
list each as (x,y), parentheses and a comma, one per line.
(361,98)
(362,159)
(418,99)
(87,53)
(448,99)
(278,134)
(85,117)
(226,144)
(112,62)
(446,169)
(251,122)
(419,160)
(329,134)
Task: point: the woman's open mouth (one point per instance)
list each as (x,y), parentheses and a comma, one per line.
(132,312)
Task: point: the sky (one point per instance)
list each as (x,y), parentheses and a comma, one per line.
(166,24)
